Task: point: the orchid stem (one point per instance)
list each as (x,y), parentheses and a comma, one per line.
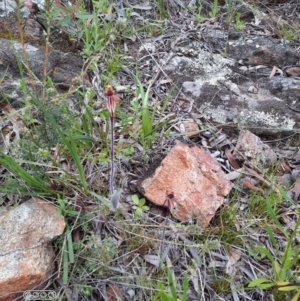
(112,165)
(162,241)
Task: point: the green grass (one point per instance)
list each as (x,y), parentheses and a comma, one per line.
(284,261)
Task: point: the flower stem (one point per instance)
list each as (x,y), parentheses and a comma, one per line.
(112,155)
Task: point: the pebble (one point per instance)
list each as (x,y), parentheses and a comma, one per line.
(252,89)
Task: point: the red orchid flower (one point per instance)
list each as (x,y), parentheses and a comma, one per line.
(111,100)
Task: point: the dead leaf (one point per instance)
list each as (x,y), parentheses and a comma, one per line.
(295,174)
(76,235)
(195,279)
(142,7)
(165,81)
(209,24)
(278,20)
(283,169)
(273,72)
(13,116)
(114,293)
(152,259)
(247,183)
(237,226)
(296,191)
(216,264)
(259,177)
(89,208)
(118,99)
(257,21)
(234,257)
(233,175)
(231,159)
(58,4)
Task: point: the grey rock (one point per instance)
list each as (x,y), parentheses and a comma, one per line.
(284,180)
(263,51)
(63,68)
(251,149)
(246,97)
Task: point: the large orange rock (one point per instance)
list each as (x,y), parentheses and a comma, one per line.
(196,180)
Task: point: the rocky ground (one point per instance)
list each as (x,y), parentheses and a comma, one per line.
(206,150)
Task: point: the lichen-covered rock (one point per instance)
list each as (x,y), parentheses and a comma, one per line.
(244,96)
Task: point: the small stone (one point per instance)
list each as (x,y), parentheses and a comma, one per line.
(194,178)
(284,180)
(194,88)
(120,88)
(293,71)
(190,128)
(130,293)
(148,47)
(249,147)
(252,89)
(225,97)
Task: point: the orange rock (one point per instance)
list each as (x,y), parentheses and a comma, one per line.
(196,180)
(26,254)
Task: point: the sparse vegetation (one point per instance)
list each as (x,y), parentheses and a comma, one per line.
(139,206)
(65,154)
(214,9)
(239,24)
